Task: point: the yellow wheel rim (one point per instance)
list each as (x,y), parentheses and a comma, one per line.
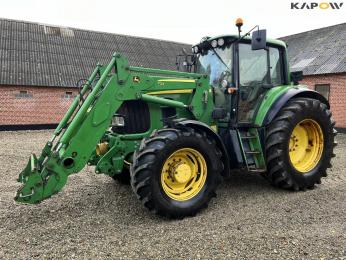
(306,145)
(184,174)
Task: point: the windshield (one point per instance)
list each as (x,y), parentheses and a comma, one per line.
(218,68)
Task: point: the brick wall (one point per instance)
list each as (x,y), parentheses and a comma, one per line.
(47,105)
(337,95)
(40,105)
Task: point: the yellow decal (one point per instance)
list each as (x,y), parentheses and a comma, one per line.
(178,91)
(178,80)
(214,127)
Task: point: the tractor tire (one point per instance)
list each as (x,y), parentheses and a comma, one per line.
(175,172)
(299,144)
(123,177)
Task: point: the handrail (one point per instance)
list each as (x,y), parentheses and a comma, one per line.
(167,72)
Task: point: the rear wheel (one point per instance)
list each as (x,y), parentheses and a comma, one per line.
(176,171)
(299,144)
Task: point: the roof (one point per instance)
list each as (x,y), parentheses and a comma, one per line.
(319,51)
(45,55)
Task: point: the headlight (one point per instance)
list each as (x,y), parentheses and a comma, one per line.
(214,43)
(118,120)
(220,41)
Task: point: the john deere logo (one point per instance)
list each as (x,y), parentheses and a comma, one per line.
(316,5)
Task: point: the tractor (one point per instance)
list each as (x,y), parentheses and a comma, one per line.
(176,135)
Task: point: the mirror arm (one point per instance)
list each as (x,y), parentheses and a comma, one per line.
(248,33)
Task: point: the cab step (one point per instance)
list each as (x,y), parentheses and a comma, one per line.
(252,150)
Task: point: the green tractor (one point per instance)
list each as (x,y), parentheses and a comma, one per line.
(176,135)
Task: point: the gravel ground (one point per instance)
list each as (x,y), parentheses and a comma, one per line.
(95,217)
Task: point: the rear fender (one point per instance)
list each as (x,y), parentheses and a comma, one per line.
(284,98)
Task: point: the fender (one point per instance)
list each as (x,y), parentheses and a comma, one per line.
(292,92)
(204,127)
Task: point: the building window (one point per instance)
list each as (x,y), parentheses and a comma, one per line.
(323,89)
(58,31)
(68,95)
(23,94)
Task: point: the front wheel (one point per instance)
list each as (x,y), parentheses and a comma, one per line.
(299,144)
(176,171)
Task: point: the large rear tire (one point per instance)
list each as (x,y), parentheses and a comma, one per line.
(175,172)
(299,144)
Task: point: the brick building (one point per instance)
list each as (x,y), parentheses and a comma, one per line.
(40,65)
(321,55)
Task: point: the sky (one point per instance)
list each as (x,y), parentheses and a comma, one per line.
(184,21)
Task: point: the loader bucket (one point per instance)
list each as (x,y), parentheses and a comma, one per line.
(31,190)
(38,182)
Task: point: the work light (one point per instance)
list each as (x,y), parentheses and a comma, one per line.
(220,41)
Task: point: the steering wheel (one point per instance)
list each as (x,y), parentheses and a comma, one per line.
(250,90)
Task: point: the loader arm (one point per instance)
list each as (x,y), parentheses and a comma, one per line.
(90,115)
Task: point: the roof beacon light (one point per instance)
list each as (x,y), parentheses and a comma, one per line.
(239,22)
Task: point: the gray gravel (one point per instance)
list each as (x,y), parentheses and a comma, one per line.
(95,217)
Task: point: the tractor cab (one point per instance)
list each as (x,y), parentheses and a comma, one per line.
(241,71)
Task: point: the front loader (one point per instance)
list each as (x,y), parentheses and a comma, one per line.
(176,135)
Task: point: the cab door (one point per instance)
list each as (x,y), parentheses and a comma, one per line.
(259,70)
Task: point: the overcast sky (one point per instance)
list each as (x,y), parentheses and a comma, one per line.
(177,20)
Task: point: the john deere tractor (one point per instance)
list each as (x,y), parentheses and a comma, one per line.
(176,135)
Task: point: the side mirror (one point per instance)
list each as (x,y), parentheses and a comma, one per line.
(296,76)
(185,62)
(259,40)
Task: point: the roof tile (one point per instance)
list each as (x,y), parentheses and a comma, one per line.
(43,55)
(319,51)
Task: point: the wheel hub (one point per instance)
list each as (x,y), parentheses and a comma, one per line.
(184,174)
(306,145)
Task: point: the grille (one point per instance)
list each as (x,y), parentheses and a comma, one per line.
(136,116)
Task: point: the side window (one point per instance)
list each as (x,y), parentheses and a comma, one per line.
(275,66)
(323,89)
(252,66)
(258,70)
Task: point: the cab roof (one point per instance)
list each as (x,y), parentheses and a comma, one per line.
(247,38)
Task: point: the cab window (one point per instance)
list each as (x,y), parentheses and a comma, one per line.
(258,71)
(255,69)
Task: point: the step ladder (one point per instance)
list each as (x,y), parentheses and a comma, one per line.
(252,150)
